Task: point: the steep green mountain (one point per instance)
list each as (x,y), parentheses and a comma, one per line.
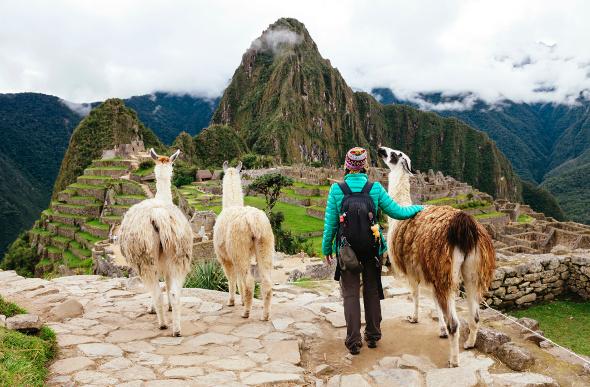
(212,146)
(287,101)
(572,189)
(170,114)
(541,200)
(106,125)
(35,132)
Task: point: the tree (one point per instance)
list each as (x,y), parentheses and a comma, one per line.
(21,256)
(270,186)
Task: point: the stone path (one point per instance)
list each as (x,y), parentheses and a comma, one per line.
(111,341)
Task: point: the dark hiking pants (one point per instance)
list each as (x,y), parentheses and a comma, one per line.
(350,284)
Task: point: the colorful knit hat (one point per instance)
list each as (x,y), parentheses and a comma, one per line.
(356,159)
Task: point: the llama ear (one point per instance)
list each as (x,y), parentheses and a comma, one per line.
(239,167)
(225,166)
(153,154)
(174,156)
(405,166)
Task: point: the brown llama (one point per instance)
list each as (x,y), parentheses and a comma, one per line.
(437,247)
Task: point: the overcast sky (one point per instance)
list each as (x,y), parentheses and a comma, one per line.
(85,51)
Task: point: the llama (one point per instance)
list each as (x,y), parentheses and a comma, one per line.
(240,233)
(437,247)
(157,240)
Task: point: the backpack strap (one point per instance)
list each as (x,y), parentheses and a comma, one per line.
(367,188)
(345,188)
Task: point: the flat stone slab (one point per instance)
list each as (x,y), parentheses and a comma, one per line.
(95,378)
(354,380)
(72,364)
(456,377)
(286,351)
(216,379)
(184,372)
(213,338)
(253,330)
(397,377)
(260,378)
(527,379)
(336,319)
(282,324)
(232,363)
(67,340)
(127,335)
(98,350)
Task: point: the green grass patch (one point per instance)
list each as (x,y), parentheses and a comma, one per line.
(111,217)
(565,321)
(96,177)
(308,283)
(106,168)
(295,219)
(317,245)
(94,204)
(304,185)
(78,185)
(291,193)
(61,238)
(73,216)
(71,205)
(55,224)
(68,191)
(53,249)
(89,237)
(131,183)
(40,231)
(318,208)
(143,172)
(131,196)
(120,206)
(524,219)
(24,357)
(82,250)
(440,201)
(479,216)
(96,223)
(74,262)
(43,263)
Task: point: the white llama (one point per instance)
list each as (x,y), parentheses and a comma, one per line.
(241,233)
(437,247)
(157,240)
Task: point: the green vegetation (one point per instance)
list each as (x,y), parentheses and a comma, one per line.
(473,204)
(207,275)
(21,257)
(310,284)
(479,216)
(74,262)
(53,249)
(24,357)
(96,223)
(143,172)
(82,250)
(131,196)
(270,185)
(304,185)
(565,321)
(291,193)
(440,201)
(524,219)
(571,188)
(89,237)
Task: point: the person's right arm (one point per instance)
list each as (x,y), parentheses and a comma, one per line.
(394,210)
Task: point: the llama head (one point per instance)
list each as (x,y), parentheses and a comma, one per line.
(396,160)
(164,165)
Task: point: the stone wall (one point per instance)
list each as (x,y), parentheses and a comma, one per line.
(295,201)
(497,221)
(203,251)
(315,213)
(541,278)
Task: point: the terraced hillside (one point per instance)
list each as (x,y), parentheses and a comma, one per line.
(86,212)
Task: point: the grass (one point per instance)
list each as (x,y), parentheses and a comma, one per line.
(82,250)
(73,262)
(44,262)
(439,201)
(120,206)
(68,191)
(111,217)
(143,172)
(72,215)
(89,237)
(318,208)
(308,283)
(61,238)
(96,223)
(53,249)
(524,219)
(207,275)
(304,185)
(291,193)
(88,186)
(105,168)
(317,245)
(96,177)
(55,224)
(24,357)
(41,231)
(70,205)
(565,321)
(295,219)
(131,196)
(479,216)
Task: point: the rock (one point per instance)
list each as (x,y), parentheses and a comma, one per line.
(527,379)
(529,323)
(422,364)
(354,380)
(286,351)
(560,250)
(2,321)
(334,381)
(534,338)
(585,370)
(397,377)
(107,268)
(184,372)
(323,369)
(456,377)
(515,357)
(489,339)
(336,319)
(67,340)
(213,338)
(69,365)
(96,378)
(116,364)
(127,335)
(281,367)
(282,324)
(253,330)
(69,309)
(545,344)
(136,372)
(531,297)
(295,275)
(389,362)
(189,360)
(24,323)
(167,340)
(319,271)
(232,363)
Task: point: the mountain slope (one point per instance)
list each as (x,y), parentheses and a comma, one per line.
(572,188)
(286,100)
(106,125)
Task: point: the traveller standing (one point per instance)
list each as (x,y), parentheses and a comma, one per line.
(356,229)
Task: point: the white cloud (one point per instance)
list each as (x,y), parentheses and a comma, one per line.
(271,39)
(82,109)
(85,51)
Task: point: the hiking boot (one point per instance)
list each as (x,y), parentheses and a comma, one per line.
(356,348)
(371,343)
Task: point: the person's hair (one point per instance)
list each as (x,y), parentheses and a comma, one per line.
(364,170)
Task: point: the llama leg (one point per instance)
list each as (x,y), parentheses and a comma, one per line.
(442,326)
(230,273)
(152,308)
(174,294)
(263,249)
(415,285)
(168,288)
(453,329)
(472,302)
(248,293)
(241,286)
(154,288)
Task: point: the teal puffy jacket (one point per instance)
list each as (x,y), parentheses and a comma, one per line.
(380,197)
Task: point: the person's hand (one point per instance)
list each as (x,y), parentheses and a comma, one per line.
(328,259)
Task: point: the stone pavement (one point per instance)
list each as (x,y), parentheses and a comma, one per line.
(112,341)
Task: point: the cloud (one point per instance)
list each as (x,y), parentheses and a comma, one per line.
(82,109)
(272,39)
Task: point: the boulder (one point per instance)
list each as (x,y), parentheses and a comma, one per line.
(24,323)
(295,275)
(489,339)
(529,323)
(560,250)
(527,379)
(69,309)
(106,268)
(320,271)
(515,357)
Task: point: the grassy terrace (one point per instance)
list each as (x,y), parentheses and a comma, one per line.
(89,237)
(72,215)
(73,262)
(304,185)
(78,185)
(131,196)
(524,219)
(291,193)
(111,217)
(440,201)
(40,231)
(143,172)
(53,249)
(70,205)
(106,168)
(97,177)
(82,250)
(96,223)
(68,191)
(24,357)
(479,216)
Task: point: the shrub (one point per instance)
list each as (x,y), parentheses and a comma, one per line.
(207,275)
(21,257)
(146,164)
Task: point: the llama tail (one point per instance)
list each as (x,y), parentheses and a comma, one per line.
(462,232)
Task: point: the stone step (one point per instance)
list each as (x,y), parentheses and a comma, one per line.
(54,254)
(64,195)
(80,200)
(68,231)
(96,229)
(112,163)
(60,242)
(131,188)
(119,209)
(99,181)
(69,219)
(111,219)
(113,172)
(92,210)
(129,200)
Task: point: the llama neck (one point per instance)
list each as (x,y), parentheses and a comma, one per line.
(232,191)
(163,190)
(399,187)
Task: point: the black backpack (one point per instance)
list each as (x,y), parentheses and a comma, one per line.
(357,216)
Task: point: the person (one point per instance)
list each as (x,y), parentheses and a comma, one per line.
(356,178)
